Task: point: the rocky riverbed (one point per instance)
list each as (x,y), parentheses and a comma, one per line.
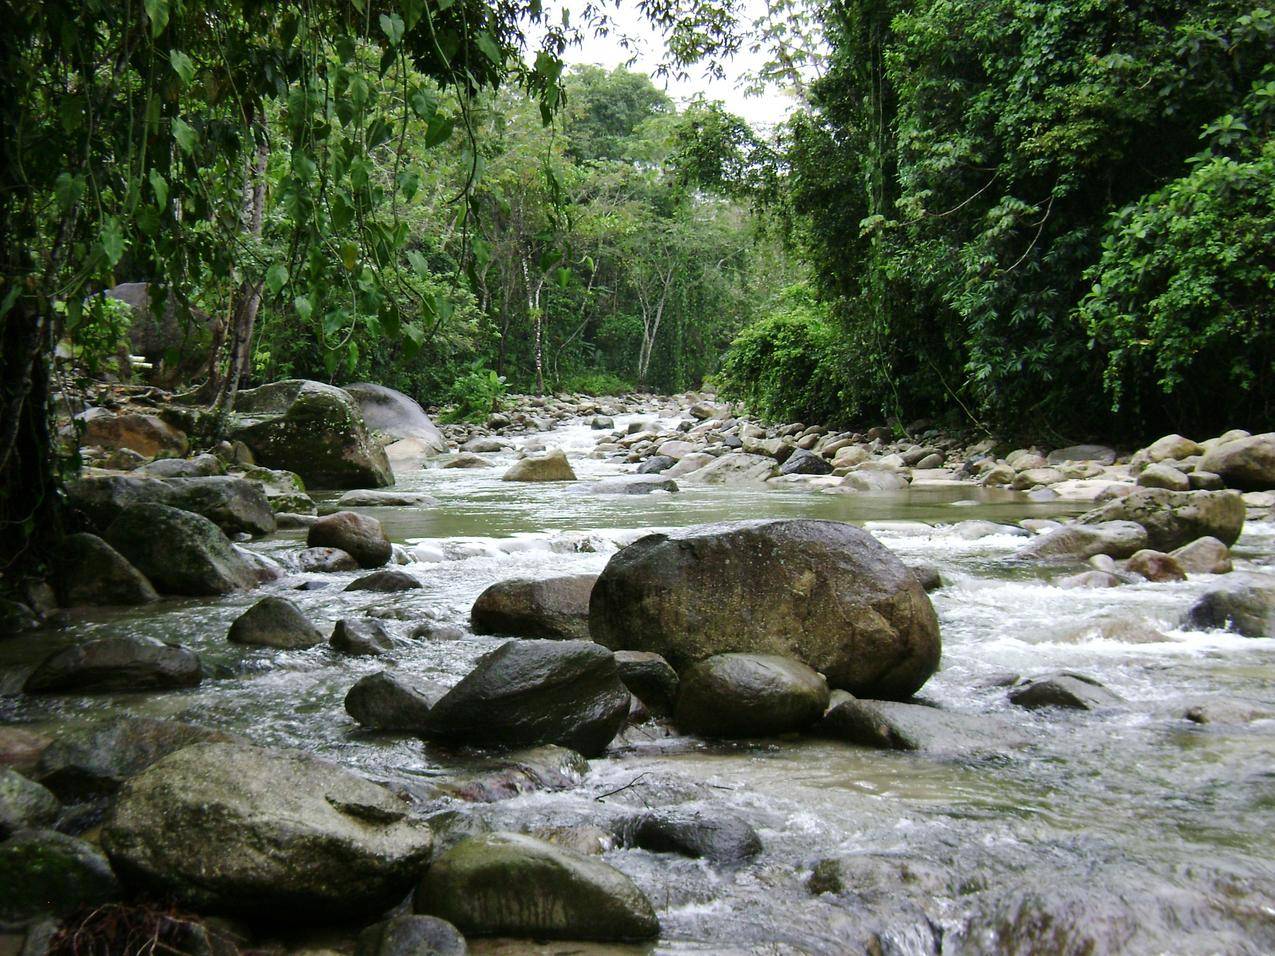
(299,700)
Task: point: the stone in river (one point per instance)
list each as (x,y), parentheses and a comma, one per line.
(556,607)
(119,663)
(1072,691)
(749,695)
(274,622)
(361,537)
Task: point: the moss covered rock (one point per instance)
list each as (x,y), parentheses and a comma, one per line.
(47,873)
(179,551)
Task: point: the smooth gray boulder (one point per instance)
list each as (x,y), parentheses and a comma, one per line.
(373,498)
(1099,453)
(553,608)
(101,498)
(631,485)
(179,552)
(822,592)
(530,692)
(238,829)
(387,580)
(396,415)
(361,637)
(389,701)
(1116,539)
(1175,518)
(1245,463)
(737,468)
(274,622)
(547,466)
(748,695)
(710,833)
(314,430)
(1246,606)
(359,536)
(508,884)
(201,466)
(120,663)
(894,725)
(232,504)
(1071,691)
(90,573)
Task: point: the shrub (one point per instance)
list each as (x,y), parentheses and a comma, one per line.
(475,394)
(596,383)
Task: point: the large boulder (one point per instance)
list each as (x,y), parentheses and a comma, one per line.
(1246,463)
(749,695)
(125,662)
(508,884)
(185,332)
(145,434)
(233,504)
(101,498)
(1204,556)
(707,833)
(802,462)
(179,551)
(361,637)
(738,468)
(1116,539)
(895,725)
(531,692)
(536,607)
(359,536)
(1175,518)
(549,466)
(274,622)
(92,573)
(1099,453)
(44,873)
(387,701)
(313,429)
(94,760)
(267,833)
(822,592)
(397,416)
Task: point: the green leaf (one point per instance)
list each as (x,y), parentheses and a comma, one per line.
(409,181)
(185,135)
(276,278)
(392,27)
(487,46)
(160,187)
(67,190)
(424,103)
(304,307)
(349,255)
(564,277)
(440,130)
(420,265)
(182,65)
(157,13)
(113,241)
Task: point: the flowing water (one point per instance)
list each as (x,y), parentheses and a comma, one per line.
(1131,830)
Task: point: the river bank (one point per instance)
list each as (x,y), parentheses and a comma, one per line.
(1130,827)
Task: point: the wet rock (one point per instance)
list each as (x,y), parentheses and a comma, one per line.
(274,622)
(47,873)
(101,498)
(21,747)
(180,552)
(357,535)
(649,678)
(737,468)
(1155,566)
(120,663)
(484,445)
(313,429)
(24,804)
(1072,691)
(549,466)
(467,460)
(873,481)
(1204,556)
(325,560)
(91,573)
(284,490)
(145,434)
(361,637)
(656,464)
(893,725)
(94,760)
(233,504)
(16,617)
(1245,463)
(711,833)
(825,877)
(201,466)
(632,485)
(802,462)
(822,592)
(1246,607)
(545,768)
(1163,476)
(388,580)
(927,575)
(556,608)
(1099,453)
(1090,579)
(1116,539)
(974,530)
(268,833)
(1226,711)
(749,695)
(368,498)
(530,692)
(558,895)
(388,701)
(1175,518)
(411,935)
(433,631)
(601,423)
(395,415)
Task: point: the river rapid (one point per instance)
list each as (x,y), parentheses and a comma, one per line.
(1126,830)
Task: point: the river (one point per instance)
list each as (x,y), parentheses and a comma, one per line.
(1128,830)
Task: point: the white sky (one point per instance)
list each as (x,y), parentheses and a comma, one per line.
(760,112)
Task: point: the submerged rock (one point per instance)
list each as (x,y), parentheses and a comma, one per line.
(357,535)
(632,485)
(555,608)
(389,580)
(366,498)
(274,622)
(749,695)
(265,833)
(361,637)
(710,833)
(92,573)
(1246,607)
(1175,518)
(558,894)
(314,430)
(467,460)
(325,560)
(180,552)
(822,592)
(43,873)
(388,701)
(1073,691)
(549,466)
(119,663)
(893,725)
(529,692)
